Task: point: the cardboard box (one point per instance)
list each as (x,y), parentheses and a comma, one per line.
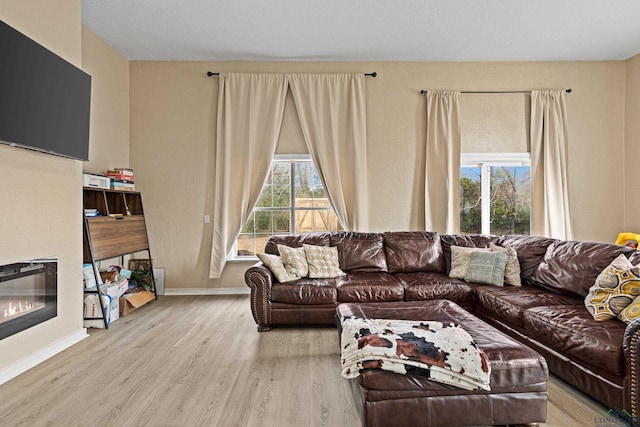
(93,323)
(92,310)
(114,302)
(92,306)
(131,302)
(122,284)
(89,277)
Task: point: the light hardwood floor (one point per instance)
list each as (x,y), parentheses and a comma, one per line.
(199,361)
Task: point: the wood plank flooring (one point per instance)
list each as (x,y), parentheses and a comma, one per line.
(199,361)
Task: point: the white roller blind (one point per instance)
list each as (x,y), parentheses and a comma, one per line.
(495,122)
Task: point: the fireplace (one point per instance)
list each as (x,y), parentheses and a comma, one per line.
(28,295)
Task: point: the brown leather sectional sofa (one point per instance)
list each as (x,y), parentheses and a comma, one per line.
(547,313)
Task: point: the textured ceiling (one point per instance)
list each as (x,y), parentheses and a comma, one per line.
(368,30)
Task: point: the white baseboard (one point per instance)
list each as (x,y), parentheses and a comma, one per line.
(30,361)
(207,291)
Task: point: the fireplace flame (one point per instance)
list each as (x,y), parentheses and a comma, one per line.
(15,309)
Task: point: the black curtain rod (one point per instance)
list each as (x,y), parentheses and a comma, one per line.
(211,73)
(424,92)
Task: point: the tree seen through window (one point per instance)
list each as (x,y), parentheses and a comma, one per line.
(509,193)
(293,200)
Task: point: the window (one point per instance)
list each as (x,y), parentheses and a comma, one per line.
(293,200)
(495,193)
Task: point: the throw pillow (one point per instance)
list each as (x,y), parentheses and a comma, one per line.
(487,268)
(323,262)
(295,260)
(616,287)
(460,259)
(631,312)
(512,270)
(275,264)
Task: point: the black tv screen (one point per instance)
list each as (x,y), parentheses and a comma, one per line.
(44,100)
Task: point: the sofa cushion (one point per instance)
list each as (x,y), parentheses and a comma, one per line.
(369,287)
(294,260)
(411,251)
(572,331)
(571,267)
(360,251)
(461,259)
(430,286)
(323,262)
(507,304)
(305,291)
(615,288)
(275,264)
(487,268)
(466,240)
(631,312)
(634,257)
(296,241)
(512,269)
(530,249)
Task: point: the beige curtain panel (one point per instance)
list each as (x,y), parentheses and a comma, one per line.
(250,110)
(332,112)
(442,174)
(550,215)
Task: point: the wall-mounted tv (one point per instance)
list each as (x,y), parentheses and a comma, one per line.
(44,100)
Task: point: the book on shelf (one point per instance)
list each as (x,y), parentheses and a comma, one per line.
(121,188)
(119,185)
(122,181)
(91,212)
(120,177)
(120,171)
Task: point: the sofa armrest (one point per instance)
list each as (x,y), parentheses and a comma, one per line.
(259,278)
(631,349)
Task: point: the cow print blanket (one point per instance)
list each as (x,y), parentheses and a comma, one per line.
(443,352)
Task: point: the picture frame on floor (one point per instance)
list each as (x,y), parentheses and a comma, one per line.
(140,265)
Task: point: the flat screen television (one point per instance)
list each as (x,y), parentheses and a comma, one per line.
(44,100)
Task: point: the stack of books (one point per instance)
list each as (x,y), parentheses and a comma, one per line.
(121,179)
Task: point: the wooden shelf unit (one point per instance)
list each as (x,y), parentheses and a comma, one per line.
(108,237)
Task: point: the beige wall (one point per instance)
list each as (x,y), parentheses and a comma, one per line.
(40,213)
(109,133)
(173,110)
(632,145)
(40,208)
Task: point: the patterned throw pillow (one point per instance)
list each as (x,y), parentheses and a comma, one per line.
(323,262)
(512,270)
(615,289)
(631,312)
(460,260)
(295,260)
(275,264)
(487,268)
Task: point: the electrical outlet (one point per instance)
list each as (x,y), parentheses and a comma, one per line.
(207,219)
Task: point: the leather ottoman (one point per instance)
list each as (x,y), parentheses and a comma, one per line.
(518,379)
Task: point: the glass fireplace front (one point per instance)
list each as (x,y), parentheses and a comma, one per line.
(28,295)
